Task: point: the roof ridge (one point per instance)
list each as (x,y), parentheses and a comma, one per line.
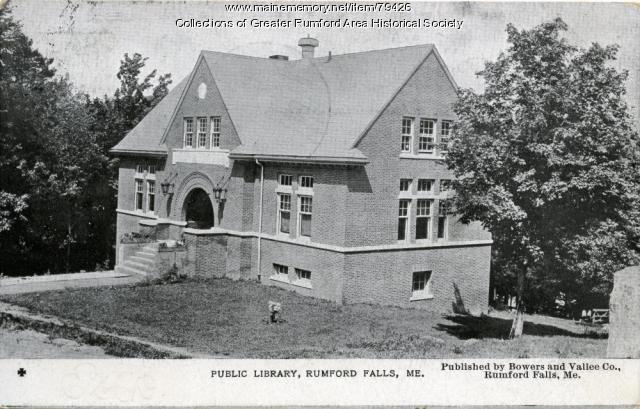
(375,50)
(253,57)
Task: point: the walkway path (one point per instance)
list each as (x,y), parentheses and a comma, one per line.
(62,281)
(25,343)
(13,313)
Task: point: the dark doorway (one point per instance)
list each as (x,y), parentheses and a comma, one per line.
(198,210)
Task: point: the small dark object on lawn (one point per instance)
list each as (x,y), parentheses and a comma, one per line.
(274,311)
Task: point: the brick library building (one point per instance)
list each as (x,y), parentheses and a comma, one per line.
(322,175)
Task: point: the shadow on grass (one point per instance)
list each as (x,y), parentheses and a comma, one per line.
(468,327)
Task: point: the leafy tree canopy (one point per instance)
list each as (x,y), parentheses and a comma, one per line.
(546,159)
(57,182)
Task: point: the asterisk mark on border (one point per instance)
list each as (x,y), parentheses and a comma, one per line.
(22,372)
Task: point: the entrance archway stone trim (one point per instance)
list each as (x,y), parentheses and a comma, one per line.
(192,181)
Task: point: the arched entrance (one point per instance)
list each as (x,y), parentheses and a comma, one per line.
(198,210)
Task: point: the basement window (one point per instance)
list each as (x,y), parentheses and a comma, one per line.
(280,273)
(303,278)
(421,286)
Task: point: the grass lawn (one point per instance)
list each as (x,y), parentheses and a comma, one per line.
(229,318)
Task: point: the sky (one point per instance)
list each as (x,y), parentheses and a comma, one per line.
(88,39)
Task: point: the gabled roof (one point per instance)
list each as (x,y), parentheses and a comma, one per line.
(298,110)
(146,136)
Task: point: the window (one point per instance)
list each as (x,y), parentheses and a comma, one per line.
(202,133)
(151,195)
(425,185)
(421,285)
(280,271)
(423,218)
(445,132)
(284,213)
(215,131)
(188,132)
(426,140)
(443,210)
(445,185)
(405,185)
(285,180)
(305,215)
(145,187)
(403,219)
(306,181)
(139,195)
(303,274)
(407,134)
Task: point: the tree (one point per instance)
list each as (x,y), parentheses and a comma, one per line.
(57,182)
(23,74)
(114,117)
(545,159)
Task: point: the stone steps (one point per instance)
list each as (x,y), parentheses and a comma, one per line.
(141,262)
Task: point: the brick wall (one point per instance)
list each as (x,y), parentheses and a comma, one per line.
(372,201)
(193,106)
(328,218)
(326,268)
(386,277)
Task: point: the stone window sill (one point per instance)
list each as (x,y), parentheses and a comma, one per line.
(421,296)
(302,283)
(408,155)
(280,279)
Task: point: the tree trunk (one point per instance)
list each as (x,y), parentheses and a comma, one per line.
(518,322)
(68,246)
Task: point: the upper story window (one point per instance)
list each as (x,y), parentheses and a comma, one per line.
(423,218)
(188,133)
(215,131)
(405,185)
(443,211)
(425,185)
(305,211)
(403,219)
(284,213)
(407,134)
(284,180)
(306,182)
(140,168)
(445,133)
(202,133)
(426,141)
(445,185)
